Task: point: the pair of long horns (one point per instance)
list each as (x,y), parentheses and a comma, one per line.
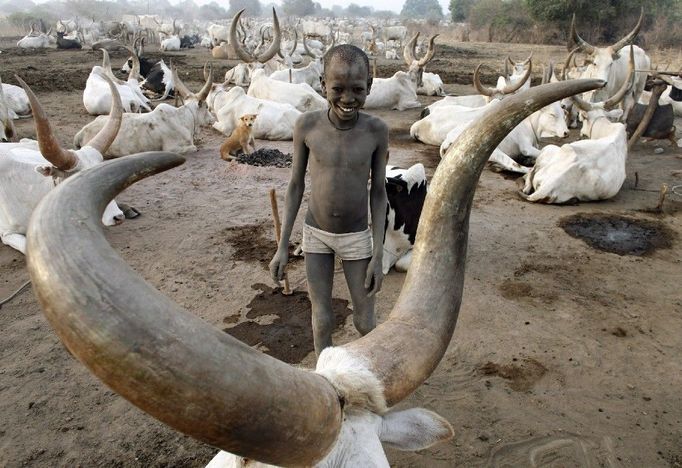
(265,56)
(185,93)
(409,51)
(590,49)
(508,61)
(50,148)
(507,89)
(205,383)
(293,47)
(312,54)
(614,100)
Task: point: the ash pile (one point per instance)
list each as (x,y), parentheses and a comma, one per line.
(265,157)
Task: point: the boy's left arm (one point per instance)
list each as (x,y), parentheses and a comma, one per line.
(377,204)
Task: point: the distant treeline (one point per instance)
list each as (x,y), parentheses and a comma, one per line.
(548,21)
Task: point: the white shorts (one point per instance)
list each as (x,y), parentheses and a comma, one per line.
(348,245)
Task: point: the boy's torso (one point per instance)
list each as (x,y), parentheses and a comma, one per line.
(339,163)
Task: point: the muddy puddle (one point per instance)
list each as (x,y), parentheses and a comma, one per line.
(621,235)
(280,325)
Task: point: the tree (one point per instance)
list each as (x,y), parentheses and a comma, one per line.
(252,7)
(459,9)
(359,11)
(429,9)
(212,11)
(298,7)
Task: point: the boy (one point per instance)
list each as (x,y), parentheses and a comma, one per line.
(343,148)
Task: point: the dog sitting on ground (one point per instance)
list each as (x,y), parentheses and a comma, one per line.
(240,139)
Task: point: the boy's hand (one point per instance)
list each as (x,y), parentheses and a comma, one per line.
(278,265)
(374,276)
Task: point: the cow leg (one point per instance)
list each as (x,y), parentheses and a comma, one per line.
(319,269)
(355,272)
(16,241)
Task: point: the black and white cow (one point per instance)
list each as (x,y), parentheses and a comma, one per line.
(156,77)
(188,42)
(67,43)
(406,191)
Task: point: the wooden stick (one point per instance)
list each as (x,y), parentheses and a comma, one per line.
(278,233)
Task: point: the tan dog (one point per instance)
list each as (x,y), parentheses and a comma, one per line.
(240,138)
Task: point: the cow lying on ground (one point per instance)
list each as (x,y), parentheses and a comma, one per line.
(300,95)
(165,128)
(7,130)
(27,174)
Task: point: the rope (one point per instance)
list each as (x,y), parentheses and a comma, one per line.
(14,294)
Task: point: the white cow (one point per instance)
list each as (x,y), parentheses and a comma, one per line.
(397,92)
(428,84)
(275,120)
(606,63)
(166,128)
(27,174)
(310,74)
(17,101)
(218,33)
(432,85)
(302,96)
(7,130)
(41,41)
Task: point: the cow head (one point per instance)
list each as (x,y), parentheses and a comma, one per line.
(518,71)
(416,66)
(207,384)
(600,59)
(550,121)
(65,163)
(196,102)
(502,89)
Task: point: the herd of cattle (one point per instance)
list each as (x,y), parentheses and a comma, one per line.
(609,106)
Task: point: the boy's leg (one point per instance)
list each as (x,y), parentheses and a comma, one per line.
(319,269)
(363,306)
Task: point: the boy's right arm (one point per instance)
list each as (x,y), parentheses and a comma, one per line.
(292,201)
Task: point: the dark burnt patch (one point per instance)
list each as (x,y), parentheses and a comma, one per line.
(622,235)
(265,157)
(520,374)
(253,243)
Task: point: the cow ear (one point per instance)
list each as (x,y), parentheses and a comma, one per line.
(414,429)
(614,115)
(46,170)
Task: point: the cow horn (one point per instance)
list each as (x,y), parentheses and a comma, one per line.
(293,48)
(409,49)
(430,52)
(203,93)
(180,87)
(106,65)
(547,73)
(48,143)
(614,100)
(506,67)
(105,137)
(134,73)
(238,49)
(629,39)
(528,60)
(425,314)
(567,63)
(579,41)
(510,89)
(276,40)
(159,356)
(307,50)
(479,87)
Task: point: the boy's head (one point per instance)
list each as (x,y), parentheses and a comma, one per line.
(346,81)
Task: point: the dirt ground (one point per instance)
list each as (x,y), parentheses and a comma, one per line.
(564,355)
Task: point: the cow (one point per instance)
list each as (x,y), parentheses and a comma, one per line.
(28,174)
(275,120)
(518,72)
(300,95)
(172,42)
(656,123)
(63,43)
(672,95)
(158,78)
(17,101)
(585,170)
(41,41)
(7,130)
(310,74)
(428,84)
(189,41)
(606,63)
(406,190)
(166,128)
(315,29)
(218,33)
(97,98)
(394,33)
(232,396)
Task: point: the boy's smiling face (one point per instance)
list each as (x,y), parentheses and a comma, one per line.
(346,87)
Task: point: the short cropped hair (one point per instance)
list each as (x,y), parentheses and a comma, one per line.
(348,54)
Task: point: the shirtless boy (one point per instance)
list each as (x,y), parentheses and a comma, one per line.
(343,148)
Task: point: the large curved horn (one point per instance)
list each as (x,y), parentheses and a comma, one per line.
(631,35)
(180,87)
(507,61)
(408,50)
(614,100)
(425,313)
(105,137)
(512,88)
(48,143)
(203,93)
(134,73)
(276,40)
(106,66)
(157,355)
(528,60)
(238,49)
(547,72)
(479,87)
(579,41)
(308,51)
(567,63)
(431,51)
(293,48)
